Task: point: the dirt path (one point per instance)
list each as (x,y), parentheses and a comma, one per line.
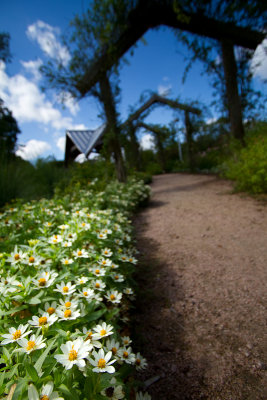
(201,313)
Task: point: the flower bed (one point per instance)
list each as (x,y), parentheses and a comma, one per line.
(66,289)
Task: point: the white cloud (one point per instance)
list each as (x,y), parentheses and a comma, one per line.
(164,90)
(33,68)
(147,142)
(28,103)
(61,142)
(259,61)
(47,38)
(33,149)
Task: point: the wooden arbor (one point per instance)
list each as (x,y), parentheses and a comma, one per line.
(158,100)
(152,13)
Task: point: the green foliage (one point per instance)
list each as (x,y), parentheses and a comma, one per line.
(248,166)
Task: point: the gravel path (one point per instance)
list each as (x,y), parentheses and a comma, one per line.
(201,313)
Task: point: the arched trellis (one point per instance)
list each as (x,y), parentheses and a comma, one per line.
(150,14)
(130,125)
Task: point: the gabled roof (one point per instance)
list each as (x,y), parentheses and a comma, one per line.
(86,140)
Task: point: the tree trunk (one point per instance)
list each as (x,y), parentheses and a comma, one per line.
(112,130)
(189,141)
(233,99)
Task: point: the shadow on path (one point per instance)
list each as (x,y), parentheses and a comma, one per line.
(159,328)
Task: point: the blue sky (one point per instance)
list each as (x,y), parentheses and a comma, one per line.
(35,28)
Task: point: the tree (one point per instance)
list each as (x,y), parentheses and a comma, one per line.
(8,130)
(227,22)
(8,125)
(88,32)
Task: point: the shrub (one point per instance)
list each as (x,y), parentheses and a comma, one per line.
(248,165)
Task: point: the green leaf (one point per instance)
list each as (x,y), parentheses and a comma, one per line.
(20,388)
(14,310)
(34,300)
(69,393)
(32,372)
(41,359)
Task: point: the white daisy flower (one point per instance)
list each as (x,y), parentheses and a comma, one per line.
(45,320)
(98,285)
(107,252)
(117,277)
(102,330)
(74,353)
(101,362)
(97,271)
(65,289)
(114,266)
(71,236)
(49,308)
(68,303)
(67,261)
(124,258)
(140,362)
(98,298)
(104,262)
(128,291)
(55,239)
(132,260)
(16,256)
(84,226)
(126,340)
(86,293)
(66,244)
(68,314)
(64,227)
(113,392)
(113,296)
(113,346)
(15,334)
(48,224)
(32,260)
(126,355)
(45,279)
(82,280)
(102,235)
(46,392)
(80,253)
(35,343)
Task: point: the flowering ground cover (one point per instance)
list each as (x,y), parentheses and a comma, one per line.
(66,287)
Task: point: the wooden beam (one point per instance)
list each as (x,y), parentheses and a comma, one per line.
(150,14)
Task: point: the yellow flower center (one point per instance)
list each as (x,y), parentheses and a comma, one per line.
(106,252)
(114,350)
(42,281)
(73,355)
(116,277)
(30,345)
(138,361)
(67,313)
(65,289)
(83,224)
(44,397)
(125,354)
(51,310)
(97,271)
(85,293)
(68,304)
(123,258)
(66,262)
(112,297)
(42,321)
(17,257)
(103,332)
(55,240)
(97,285)
(16,335)
(104,262)
(31,259)
(130,259)
(100,235)
(89,335)
(101,363)
(79,253)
